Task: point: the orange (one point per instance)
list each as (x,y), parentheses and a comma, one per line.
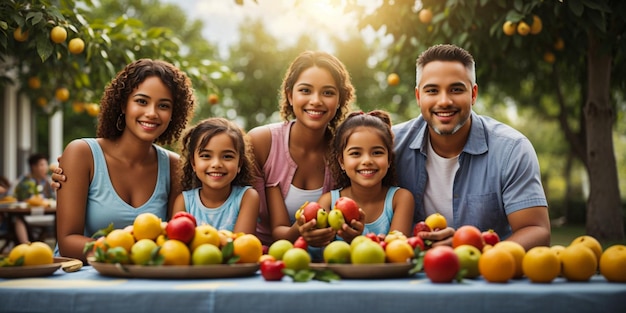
(518,253)
(436,221)
(522,28)
(175,252)
(58,34)
(536,26)
(509,28)
(541,264)
(213,99)
(248,247)
(399,251)
(76,46)
(38,253)
(120,238)
(497,265)
(591,243)
(559,44)
(393,79)
(578,263)
(62,94)
(78,107)
(425,16)
(100,243)
(19,35)
(549,57)
(92,109)
(34,82)
(613,263)
(17,252)
(147,226)
(42,102)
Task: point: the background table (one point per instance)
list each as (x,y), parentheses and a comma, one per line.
(88,291)
(39,217)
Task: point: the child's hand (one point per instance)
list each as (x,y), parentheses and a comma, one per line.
(312,235)
(348,232)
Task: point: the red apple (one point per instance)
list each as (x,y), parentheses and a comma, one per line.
(187,215)
(272,270)
(373,237)
(300,243)
(416,242)
(468,235)
(181,229)
(419,227)
(441,264)
(490,237)
(349,208)
(309,210)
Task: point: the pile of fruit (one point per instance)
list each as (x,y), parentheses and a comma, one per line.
(28,254)
(179,241)
(481,254)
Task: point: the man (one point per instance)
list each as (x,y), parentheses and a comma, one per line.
(472,169)
(36,182)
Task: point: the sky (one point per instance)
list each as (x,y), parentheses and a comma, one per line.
(285,18)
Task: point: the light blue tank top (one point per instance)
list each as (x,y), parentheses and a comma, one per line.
(222,217)
(104,206)
(383,222)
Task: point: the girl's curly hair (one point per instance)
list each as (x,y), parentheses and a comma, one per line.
(119,89)
(340,74)
(378,120)
(199,136)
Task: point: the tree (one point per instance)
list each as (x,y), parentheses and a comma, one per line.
(568,53)
(111,40)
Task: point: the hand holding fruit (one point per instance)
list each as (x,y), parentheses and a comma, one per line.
(439,234)
(355,228)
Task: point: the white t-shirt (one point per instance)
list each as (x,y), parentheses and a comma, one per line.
(438,194)
(296,197)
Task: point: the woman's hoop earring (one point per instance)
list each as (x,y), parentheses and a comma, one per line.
(120,122)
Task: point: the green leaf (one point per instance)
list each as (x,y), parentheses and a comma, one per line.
(103,232)
(576,7)
(326,276)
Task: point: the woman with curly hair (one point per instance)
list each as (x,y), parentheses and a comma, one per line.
(292,156)
(217,174)
(123,172)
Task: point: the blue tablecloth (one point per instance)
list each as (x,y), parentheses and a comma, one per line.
(88,291)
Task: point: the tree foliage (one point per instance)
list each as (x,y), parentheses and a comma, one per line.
(115,33)
(570,70)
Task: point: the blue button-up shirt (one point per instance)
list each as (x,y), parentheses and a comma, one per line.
(498,173)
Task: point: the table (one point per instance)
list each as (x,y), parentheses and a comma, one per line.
(20,210)
(88,291)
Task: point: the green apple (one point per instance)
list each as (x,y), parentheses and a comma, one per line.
(359,239)
(367,252)
(206,254)
(335,219)
(297,259)
(468,259)
(279,247)
(141,251)
(337,252)
(322,218)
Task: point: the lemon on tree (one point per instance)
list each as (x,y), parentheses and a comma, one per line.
(58,34)
(34,82)
(76,46)
(536,26)
(522,28)
(19,35)
(509,28)
(393,79)
(62,94)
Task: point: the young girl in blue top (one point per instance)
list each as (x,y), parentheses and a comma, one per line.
(217,177)
(364,172)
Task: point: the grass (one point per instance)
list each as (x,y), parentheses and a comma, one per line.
(563,235)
